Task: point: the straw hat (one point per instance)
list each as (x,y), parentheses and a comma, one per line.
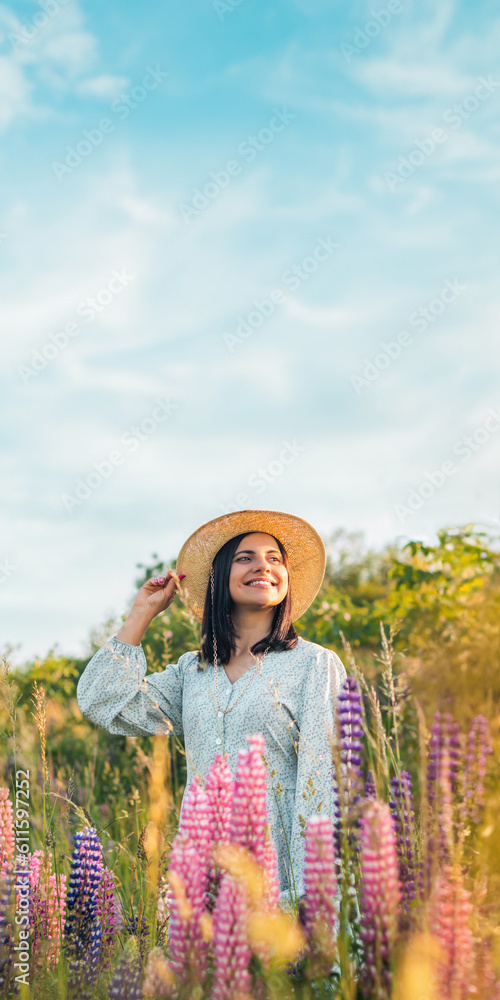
(304,547)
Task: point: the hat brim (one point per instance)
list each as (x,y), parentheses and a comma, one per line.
(304,548)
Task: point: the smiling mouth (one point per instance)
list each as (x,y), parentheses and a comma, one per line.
(260,583)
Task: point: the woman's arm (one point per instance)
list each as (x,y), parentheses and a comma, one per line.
(113,691)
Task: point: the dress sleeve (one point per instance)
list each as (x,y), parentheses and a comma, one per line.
(315,788)
(114,692)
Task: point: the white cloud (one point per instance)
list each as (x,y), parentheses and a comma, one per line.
(15,93)
(104,87)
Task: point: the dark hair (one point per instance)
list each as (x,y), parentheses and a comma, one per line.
(282,634)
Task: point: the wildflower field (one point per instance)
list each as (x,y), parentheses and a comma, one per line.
(101,895)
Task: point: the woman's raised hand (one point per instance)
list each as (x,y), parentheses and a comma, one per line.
(155,596)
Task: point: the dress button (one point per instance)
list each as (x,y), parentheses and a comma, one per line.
(218,740)
(219,714)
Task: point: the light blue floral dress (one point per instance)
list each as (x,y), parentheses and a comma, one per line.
(291,700)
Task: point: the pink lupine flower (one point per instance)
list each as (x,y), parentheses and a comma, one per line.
(231,949)
(271,880)
(249,814)
(380,894)
(6,828)
(478,748)
(219,788)
(249,819)
(318,909)
(187,946)
(159,980)
(197,821)
(8,953)
(47,907)
(449,915)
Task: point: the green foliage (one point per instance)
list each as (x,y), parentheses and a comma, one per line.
(424,589)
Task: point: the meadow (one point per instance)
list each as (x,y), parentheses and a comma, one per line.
(102,896)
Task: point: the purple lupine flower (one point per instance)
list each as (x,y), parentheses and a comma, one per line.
(109,911)
(478,748)
(442,781)
(319,909)
(350,716)
(401,805)
(140,932)
(126,981)
(8,957)
(350,732)
(444,742)
(83,929)
(380,894)
(370,786)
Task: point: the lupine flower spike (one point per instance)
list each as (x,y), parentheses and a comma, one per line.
(401,805)
(231,950)
(249,813)
(6,829)
(350,733)
(449,919)
(109,912)
(83,926)
(140,932)
(478,748)
(126,981)
(8,957)
(219,788)
(47,908)
(159,980)
(319,910)
(442,770)
(187,945)
(370,786)
(197,822)
(380,895)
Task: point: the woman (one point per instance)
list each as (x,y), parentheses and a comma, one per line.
(247,576)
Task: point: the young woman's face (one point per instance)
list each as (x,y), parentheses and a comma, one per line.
(258,574)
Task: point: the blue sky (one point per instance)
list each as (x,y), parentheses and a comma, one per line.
(250,259)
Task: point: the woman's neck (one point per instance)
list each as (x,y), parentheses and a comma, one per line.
(250,626)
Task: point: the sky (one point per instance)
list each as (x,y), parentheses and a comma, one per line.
(249,260)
